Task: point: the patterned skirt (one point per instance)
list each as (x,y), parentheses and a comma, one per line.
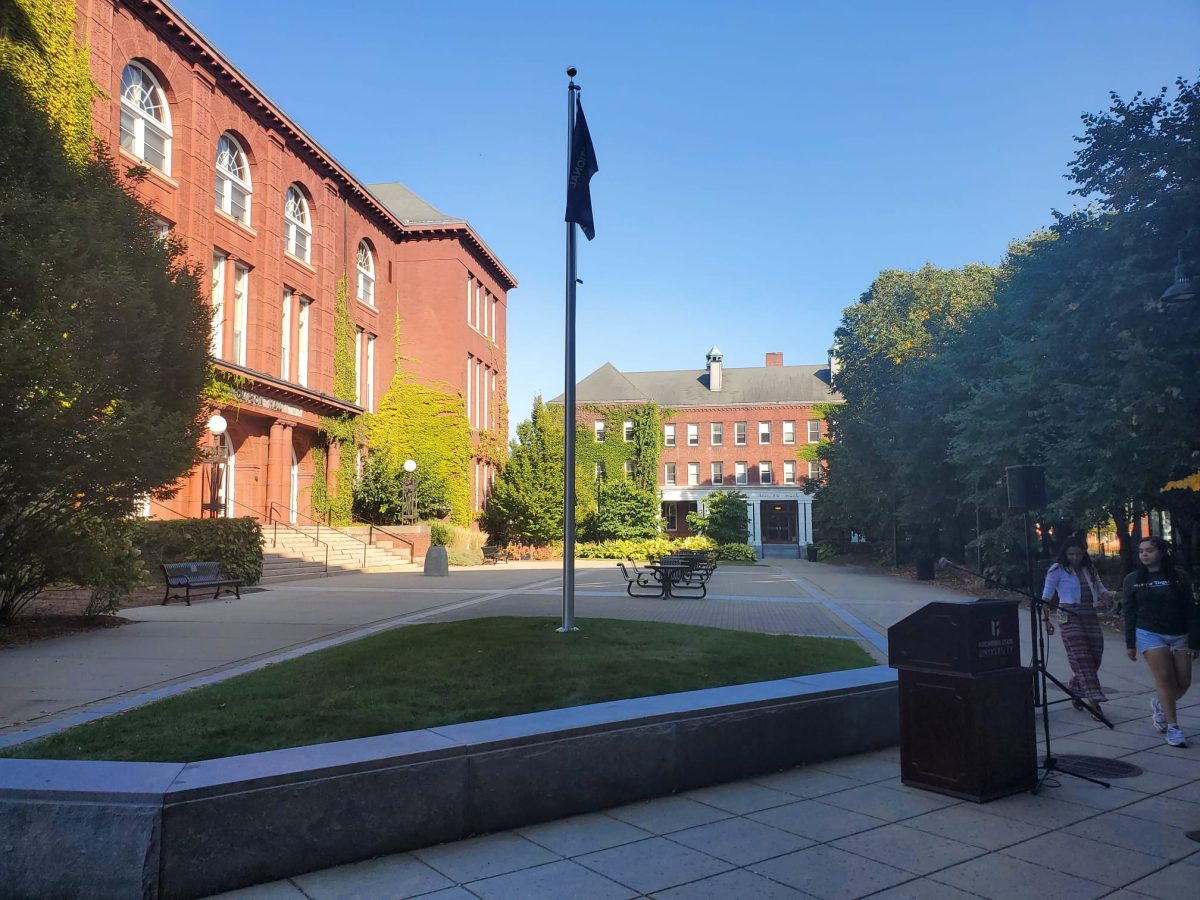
(1083,641)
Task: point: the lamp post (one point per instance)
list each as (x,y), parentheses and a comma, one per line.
(408,493)
(215,457)
(1183,290)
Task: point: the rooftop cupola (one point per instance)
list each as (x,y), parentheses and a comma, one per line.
(714,368)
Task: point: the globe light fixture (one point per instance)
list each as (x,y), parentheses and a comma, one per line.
(410,465)
(217,425)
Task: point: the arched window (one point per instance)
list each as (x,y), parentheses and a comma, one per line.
(297,226)
(366,274)
(233,179)
(145,118)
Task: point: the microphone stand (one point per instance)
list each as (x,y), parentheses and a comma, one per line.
(1038,640)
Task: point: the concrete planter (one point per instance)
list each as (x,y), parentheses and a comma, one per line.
(180,831)
(436,562)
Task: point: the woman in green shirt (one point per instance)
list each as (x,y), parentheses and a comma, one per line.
(1162,620)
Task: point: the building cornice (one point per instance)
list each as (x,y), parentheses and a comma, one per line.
(282,391)
(229,76)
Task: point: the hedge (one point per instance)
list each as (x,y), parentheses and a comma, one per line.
(653,548)
(234,543)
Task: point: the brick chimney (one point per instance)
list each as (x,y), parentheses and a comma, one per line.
(774,360)
(714,368)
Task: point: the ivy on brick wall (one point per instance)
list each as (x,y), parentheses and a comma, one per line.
(336,505)
(427,424)
(813,452)
(614,451)
(37,45)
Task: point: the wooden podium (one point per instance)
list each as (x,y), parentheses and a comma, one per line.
(966,703)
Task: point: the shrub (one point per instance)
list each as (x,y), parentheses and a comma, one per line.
(826,550)
(236,544)
(651,548)
(439,534)
(104,558)
(456,557)
(736,553)
(726,521)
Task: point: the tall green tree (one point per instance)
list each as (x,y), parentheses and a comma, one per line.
(727,519)
(526,502)
(103,353)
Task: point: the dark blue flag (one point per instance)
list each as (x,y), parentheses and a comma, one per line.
(579,175)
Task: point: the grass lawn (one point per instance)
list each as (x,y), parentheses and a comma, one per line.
(438,674)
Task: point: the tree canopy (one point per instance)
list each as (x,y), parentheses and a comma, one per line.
(103,352)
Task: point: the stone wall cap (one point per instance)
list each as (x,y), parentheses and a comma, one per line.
(91,780)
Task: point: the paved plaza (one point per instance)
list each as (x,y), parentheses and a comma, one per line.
(842,829)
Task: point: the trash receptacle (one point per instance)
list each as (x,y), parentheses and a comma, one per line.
(925,568)
(810,552)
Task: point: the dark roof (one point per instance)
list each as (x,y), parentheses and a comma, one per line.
(675,389)
(408,207)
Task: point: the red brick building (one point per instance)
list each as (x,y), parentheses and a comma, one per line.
(274,220)
(730,429)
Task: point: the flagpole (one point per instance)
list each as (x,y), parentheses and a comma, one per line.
(568,615)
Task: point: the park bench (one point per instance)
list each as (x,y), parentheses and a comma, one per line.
(197,576)
(493,554)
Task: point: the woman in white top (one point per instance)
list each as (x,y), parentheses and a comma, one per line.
(1073,586)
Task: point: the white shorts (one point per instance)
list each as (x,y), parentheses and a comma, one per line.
(1151,640)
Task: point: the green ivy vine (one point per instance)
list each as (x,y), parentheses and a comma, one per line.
(614,451)
(345,430)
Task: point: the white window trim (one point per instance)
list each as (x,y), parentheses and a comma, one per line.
(241,311)
(811,423)
(765,474)
(365,289)
(217,340)
(716,433)
(627,431)
(670,476)
(142,120)
(358,360)
(629,468)
(792,438)
(693,473)
(600,429)
(285,331)
(370,373)
(227,180)
(716,473)
(764,429)
(789,471)
(302,326)
(668,435)
(745,430)
(671,517)
(741,473)
(693,435)
(293,225)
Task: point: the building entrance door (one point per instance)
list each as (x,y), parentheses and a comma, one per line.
(779,522)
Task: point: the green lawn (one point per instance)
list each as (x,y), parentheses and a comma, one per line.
(439,674)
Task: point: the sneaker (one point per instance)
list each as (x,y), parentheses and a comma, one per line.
(1175,736)
(1160,721)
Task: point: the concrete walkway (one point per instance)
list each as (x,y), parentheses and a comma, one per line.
(843,829)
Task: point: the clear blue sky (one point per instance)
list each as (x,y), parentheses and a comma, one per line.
(759,162)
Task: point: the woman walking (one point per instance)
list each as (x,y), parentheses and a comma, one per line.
(1162,620)
(1075,581)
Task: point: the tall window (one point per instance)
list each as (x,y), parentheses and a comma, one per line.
(358,354)
(628,431)
(739,433)
(285,330)
(629,468)
(600,431)
(718,473)
(789,471)
(669,473)
(739,473)
(145,118)
(366,274)
(470,381)
(670,516)
(693,432)
(764,432)
(297,226)
(789,432)
(470,299)
(716,433)
(814,470)
(302,342)
(233,179)
(217,344)
(241,302)
(764,472)
(370,373)
(814,431)
(693,473)
(668,435)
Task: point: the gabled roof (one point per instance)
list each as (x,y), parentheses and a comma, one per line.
(675,389)
(408,207)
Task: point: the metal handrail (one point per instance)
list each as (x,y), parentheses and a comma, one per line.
(412,547)
(274,532)
(271,517)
